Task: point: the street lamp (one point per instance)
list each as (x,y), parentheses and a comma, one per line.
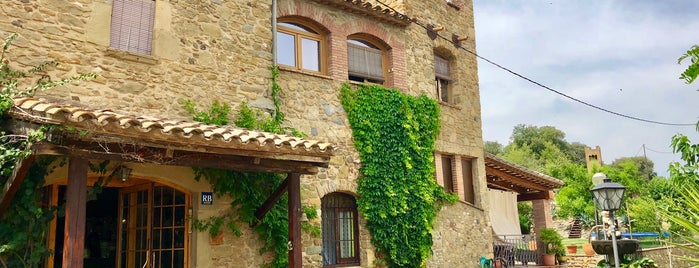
(607,196)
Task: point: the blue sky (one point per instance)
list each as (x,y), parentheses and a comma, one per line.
(619,55)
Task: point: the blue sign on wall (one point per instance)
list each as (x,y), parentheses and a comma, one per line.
(207,198)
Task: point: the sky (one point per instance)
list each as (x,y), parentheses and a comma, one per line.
(618,55)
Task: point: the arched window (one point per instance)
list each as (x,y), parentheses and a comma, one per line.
(340,229)
(300,45)
(443,79)
(366,61)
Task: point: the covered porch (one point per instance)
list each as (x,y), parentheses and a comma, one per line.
(83,134)
(508,184)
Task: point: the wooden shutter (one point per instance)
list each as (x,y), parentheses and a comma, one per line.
(365,62)
(447,170)
(467,172)
(441,67)
(132,25)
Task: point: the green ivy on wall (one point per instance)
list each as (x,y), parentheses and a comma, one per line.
(395,135)
(250,189)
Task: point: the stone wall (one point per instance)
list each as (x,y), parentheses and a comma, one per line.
(222,49)
(669,256)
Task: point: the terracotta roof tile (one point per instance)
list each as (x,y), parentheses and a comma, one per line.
(367,8)
(188,132)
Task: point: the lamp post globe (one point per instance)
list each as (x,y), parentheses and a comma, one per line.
(607,196)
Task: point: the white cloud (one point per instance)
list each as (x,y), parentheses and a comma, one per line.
(620,55)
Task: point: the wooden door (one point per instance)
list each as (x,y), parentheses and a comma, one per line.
(153,229)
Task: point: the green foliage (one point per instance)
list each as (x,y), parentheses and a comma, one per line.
(684,212)
(395,134)
(690,74)
(217,115)
(493,147)
(525,215)
(688,171)
(573,199)
(552,241)
(23,226)
(630,263)
(644,166)
(644,212)
(539,139)
(249,190)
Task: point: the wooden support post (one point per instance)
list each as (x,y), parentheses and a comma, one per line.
(295,247)
(76,196)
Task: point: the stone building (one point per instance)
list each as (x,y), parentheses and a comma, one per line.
(150,55)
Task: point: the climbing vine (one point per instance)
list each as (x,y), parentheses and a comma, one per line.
(250,189)
(395,134)
(23,226)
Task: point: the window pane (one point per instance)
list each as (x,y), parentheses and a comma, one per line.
(346,227)
(443,89)
(310,51)
(441,67)
(286,49)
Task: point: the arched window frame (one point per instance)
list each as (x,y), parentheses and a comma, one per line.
(313,32)
(334,205)
(372,45)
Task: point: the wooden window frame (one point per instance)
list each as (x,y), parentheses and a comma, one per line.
(443,79)
(298,38)
(385,59)
(448,163)
(336,208)
(468,181)
(145,34)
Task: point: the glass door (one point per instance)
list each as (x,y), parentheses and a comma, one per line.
(153,229)
(134,247)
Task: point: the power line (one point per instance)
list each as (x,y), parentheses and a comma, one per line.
(656,151)
(414,20)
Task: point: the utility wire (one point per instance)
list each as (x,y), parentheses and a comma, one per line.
(414,20)
(649,149)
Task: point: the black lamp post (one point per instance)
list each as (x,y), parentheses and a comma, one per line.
(607,196)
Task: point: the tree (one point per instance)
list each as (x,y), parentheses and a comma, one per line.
(644,166)
(573,199)
(493,147)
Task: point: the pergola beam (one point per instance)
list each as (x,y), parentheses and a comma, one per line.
(14,182)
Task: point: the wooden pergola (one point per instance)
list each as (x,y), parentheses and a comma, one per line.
(82,134)
(529,184)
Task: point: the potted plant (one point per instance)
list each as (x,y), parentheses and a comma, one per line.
(553,245)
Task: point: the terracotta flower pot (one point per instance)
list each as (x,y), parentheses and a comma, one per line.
(549,259)
(572,249)
(589,251)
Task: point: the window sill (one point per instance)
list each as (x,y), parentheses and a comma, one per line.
(294,70)
(351,82)
(470,205)
(451,105)
(130,56)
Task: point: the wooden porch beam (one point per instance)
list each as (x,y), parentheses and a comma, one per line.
(164,156)
(515,180)
(76,202)
(14,182)
(535,196)
(295,246)
(271,201)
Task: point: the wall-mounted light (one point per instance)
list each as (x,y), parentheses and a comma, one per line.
(123,173)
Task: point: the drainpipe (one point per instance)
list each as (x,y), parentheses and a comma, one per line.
(274,33)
